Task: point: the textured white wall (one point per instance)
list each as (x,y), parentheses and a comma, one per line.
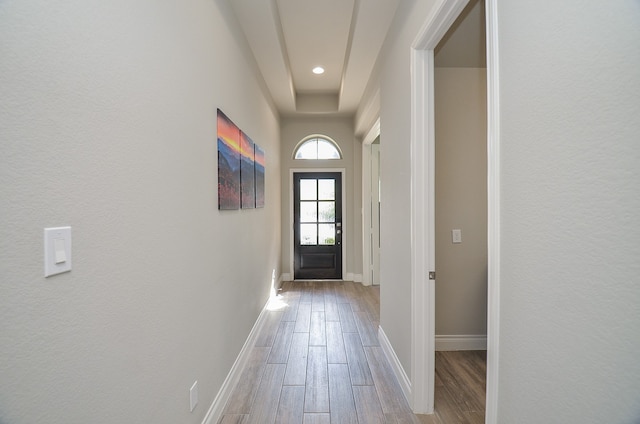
(107,124)
(395,167)
(461,200)
(341,131)
(570,230)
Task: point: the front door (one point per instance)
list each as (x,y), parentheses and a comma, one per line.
(317,222)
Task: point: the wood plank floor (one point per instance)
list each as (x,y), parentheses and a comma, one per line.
(317,361)
(460,387)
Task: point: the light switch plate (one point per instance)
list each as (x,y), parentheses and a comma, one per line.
(456,236)
(57,250)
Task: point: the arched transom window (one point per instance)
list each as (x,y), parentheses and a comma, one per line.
(317,147)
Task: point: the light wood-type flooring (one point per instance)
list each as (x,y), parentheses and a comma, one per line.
(317,361)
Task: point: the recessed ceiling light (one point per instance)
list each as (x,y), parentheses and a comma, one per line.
(318,70)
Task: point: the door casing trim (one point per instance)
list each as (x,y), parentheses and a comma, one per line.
(493,204)
(345,224)
(371,136)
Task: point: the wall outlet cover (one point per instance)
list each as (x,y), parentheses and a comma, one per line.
(193,396)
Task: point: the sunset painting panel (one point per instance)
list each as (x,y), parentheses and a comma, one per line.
(247,174)
(228,163)
(259,168)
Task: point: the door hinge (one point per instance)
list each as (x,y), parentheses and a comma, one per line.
(432,275)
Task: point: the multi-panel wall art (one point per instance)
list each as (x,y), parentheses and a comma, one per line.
(241,168)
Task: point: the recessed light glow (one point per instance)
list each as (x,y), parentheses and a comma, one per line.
(318,70)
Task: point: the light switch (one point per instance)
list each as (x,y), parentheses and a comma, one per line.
(57,250)
(456,236)
(58,246)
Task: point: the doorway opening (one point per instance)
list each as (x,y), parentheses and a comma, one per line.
(371,205)
(317,225)
(374,205)
(460,99)
(423,275)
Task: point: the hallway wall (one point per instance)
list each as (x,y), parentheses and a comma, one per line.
(341,131)
(570,227)
(393,79)
(108,124)
(461,201)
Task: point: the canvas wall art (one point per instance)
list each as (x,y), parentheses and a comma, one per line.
(241,168)
(259,170)
(247,172)
(228,163)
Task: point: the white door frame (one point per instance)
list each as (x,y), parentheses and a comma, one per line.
(345,227)
(373,133)
(423,204)
(493,202)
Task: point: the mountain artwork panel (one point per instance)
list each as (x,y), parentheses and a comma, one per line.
(259,168)
(228,163)
(247,173)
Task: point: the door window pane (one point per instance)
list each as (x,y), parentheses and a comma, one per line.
(327,234)
(327,189)
(308,190)
(308,234)
(308,212)
(327,211)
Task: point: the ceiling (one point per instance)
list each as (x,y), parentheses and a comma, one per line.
(291,37)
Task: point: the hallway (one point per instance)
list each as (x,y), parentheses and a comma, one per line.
(318,360)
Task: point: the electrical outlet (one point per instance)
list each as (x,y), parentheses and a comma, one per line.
(193,396)
(456,236)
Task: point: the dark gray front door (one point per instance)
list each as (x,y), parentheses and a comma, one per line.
(317,234)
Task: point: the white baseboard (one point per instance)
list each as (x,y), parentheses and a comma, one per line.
(396,366)
(461,342)
(217,407)
(286,277)
(350,276)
